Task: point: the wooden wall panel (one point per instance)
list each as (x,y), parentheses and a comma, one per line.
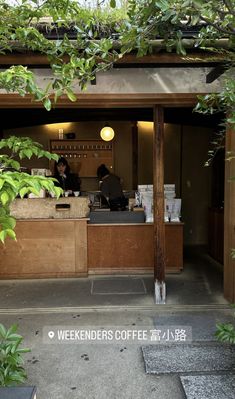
(216,234)
(118,246)
(44,249)
(229,221)
(81,247)
(70,248)
(174,247)
(131,247)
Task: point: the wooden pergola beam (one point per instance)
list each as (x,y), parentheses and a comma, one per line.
(85,100)
(41,61)
(196,58)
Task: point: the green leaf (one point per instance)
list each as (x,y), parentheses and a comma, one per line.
(7,222)
(24,350)
(71,95)
(113,3)
(12,329)
(13,337)
(47,104)
(58,191)
(28,153)
(3,331)
(11,233)
(3,235)
(2,181)
(33,191)
(23,191)
(4,198)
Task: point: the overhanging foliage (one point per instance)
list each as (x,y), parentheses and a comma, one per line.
(31,25)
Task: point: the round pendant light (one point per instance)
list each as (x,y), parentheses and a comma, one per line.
(107,133)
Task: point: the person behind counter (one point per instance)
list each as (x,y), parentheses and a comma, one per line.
(111,189)
(66,180)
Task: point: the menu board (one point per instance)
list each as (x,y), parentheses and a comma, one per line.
(84,156)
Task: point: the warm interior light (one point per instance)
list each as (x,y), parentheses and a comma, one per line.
(107,133)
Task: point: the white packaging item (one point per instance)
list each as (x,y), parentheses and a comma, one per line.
(172,210)
(169,187)
(42,194)
(137,198)
(145,187)
(147,203)
(38,172)
(142,187)
(169,194)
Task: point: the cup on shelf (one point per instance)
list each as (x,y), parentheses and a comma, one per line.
(66,193)
(76,193)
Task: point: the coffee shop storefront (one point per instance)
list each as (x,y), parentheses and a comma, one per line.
(64,244)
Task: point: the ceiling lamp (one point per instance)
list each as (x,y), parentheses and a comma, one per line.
(107,133)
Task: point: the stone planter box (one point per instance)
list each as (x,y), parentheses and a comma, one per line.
(18,393)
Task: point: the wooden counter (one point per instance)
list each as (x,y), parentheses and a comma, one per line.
(46,248)
(122,248)
(72,248)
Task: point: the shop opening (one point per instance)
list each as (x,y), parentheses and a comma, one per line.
(187,139)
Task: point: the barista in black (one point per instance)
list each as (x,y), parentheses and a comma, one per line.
(111,189)
(66,180)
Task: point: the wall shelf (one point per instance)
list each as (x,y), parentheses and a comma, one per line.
(84,156)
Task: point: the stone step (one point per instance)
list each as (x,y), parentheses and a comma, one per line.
(189,358)
(220,386)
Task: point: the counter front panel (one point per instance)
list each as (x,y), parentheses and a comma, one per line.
(46,248)
(129,248)
(73,248)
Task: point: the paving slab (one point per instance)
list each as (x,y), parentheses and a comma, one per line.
(209,386)
(189,358)
(118,286)
(70,292)
(203,324)
(113,371)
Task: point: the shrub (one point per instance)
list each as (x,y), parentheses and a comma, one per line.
(11,362)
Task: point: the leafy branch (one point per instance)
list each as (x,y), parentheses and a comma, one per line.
(14,182)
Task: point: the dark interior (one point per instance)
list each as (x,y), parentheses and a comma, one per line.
(16,117)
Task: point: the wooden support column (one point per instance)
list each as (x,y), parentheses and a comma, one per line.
(134,155)
(229,220)
(158,206)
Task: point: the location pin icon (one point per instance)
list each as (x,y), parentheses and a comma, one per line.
(51,334)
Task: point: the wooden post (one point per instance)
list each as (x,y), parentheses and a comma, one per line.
(134,155)
(229,220)
(158,206)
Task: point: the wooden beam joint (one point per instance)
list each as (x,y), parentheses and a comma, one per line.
(215,73)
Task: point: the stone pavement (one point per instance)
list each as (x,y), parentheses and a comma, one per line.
(209,386)
(95,370)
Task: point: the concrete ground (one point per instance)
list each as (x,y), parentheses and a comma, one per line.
(112,370)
